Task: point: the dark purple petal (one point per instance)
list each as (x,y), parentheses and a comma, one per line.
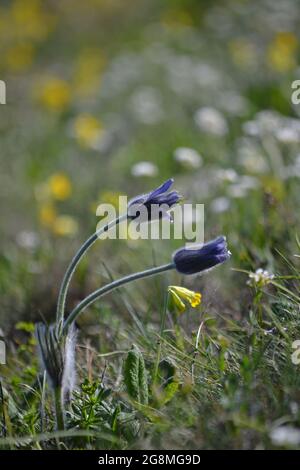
(191,261)
(158,197)
(163,188)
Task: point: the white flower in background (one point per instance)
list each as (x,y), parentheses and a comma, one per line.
(237,191)
(284,129)
(144,169)
(188,157)
(220,204)
(251,128)
(250,157)
(289,132)
(244,184)
(285,436)
(288,135)
(228,175)
(210,120)
(269,120)
(146,105)
(27,239)
(260,278)
(266,121)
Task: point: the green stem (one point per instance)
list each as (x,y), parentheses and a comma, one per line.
(162,329)
(59,412)
(72,266)
(109,287)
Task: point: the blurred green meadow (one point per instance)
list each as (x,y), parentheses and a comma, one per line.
(106,98)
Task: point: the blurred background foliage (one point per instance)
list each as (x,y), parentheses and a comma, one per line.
(106,97)
(112,97)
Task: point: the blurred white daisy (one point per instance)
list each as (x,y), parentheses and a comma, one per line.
(27,239)
(251,128)
(210,120)
(220,204)
(144,169)
(285,436)
(188,157)
(228,175)
(268,120)
(146,105)
(250,157)
(243,185)
(288,135)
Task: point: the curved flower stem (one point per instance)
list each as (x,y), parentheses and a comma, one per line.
(72,266)
(162,329)
(109,287)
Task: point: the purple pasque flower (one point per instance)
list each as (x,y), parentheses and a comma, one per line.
(155,204)
(195,260)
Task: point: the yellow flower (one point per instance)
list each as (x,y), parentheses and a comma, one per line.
(181,296)
(65,225)
(19,57)
(282,52)
(31,19)
(60,186)
(87,129)
(47,214)
(88,70)
(54,94)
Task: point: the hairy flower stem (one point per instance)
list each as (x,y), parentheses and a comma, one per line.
(110,287)
(59,409)
(72,266)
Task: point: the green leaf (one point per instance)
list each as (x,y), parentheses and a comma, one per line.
(135,376)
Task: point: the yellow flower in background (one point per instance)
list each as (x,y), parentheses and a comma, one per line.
(47,214)
(243,52)
(31,19)
(65,225)
(87,72)
(181,296)
(87,129)
(60,186)
(55,94)
(282,52)
(19,57)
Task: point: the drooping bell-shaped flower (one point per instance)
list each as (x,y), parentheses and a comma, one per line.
(195,260)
